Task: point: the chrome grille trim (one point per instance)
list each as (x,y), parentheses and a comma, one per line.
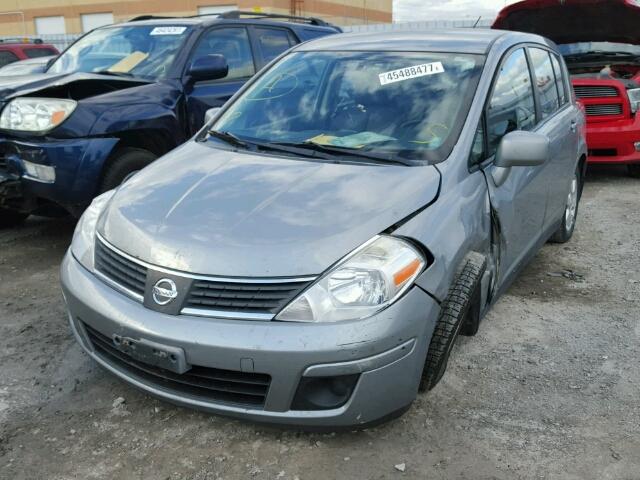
(603,109)
(595,91)
(210,278)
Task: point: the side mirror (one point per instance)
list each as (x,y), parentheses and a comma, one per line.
(210,67)
(519,149)
(209,114)
(522,149)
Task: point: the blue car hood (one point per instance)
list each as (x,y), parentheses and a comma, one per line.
(210,211)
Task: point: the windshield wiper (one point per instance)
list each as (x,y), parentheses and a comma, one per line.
(601,53)
(229,138)
(344,151)
(115,74)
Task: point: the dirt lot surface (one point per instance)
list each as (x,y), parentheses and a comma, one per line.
(549,388)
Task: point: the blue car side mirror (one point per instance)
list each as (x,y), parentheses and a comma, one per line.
(210,67)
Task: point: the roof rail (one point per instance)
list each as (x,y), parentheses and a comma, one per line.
(236,14)
(149,17)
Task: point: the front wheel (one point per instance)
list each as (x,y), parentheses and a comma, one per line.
(123,164)
(634,170)
(11,218)
(565,231)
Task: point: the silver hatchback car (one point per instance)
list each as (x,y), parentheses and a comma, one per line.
(310,257)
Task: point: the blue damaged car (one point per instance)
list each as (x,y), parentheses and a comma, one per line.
(120,97)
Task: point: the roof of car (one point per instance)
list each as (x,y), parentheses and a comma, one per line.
(460,40)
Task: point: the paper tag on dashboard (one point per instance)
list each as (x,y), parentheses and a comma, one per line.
(168,31)
(410,72)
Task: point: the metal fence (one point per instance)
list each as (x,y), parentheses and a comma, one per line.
(64,40)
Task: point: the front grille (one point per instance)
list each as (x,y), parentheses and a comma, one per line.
(603,152)
(201,383)
(595,91)
(119,269)
(243,297)
(604,109)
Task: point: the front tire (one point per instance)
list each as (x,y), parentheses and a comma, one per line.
(634,170)
(123,164)
(565,231)
(454,313)
(11,218)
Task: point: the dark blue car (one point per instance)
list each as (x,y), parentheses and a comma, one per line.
(120,97)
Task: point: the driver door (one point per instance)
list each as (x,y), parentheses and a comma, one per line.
(518,201)
(234,44)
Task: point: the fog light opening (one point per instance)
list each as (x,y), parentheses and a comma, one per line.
(324,393)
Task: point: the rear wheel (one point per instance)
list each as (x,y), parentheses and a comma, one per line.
(565,231)
(11,218)
(123,164)
(634,170)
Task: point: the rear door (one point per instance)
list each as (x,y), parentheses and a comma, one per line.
(269,42)
(234,43)
(558,121)
(519,203)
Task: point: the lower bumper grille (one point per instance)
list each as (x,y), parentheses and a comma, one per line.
(603,109)
(203,383)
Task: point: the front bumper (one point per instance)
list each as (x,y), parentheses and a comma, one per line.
(387,350)
(613,142)
(76,163)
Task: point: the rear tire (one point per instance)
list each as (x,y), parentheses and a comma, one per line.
(565,231)
(11,218)
(634,170)
(453,315)
(123,164)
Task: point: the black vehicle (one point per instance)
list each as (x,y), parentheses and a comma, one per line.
(123,95)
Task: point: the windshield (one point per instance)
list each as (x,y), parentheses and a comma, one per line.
(141,51)
(397,105)
(604,48)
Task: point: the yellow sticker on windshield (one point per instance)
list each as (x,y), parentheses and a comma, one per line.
(410,72)
(129,62)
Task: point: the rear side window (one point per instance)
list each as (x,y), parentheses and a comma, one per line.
(512,105)
(560,83)
(272,42)
(38,52)
(233,43)
(7,58)
(545,81)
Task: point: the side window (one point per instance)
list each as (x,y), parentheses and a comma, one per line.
(545,81)
(272,42)
(7,58)
(560,81)
(233,43)
(512,106)
(38,52)
(477,150)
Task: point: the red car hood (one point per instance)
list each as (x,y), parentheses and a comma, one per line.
(572,21)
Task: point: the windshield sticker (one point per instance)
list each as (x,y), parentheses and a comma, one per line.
(168,31)
(129,62)
(410,72)
(357,140)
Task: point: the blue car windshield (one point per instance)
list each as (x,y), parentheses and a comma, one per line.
(145,51)
(408,106)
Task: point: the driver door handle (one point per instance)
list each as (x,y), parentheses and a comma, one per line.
(574,125)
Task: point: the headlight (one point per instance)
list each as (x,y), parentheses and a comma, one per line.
(39,115)
(634,99)
(83,243)
(363,283)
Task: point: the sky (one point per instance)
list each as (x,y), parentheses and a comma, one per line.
(414,10)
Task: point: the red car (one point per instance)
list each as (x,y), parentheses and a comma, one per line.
(12,50)
(600,41)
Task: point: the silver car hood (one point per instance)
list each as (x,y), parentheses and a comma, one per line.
(215,212)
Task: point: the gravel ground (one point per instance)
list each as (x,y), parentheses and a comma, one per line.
(549,388)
